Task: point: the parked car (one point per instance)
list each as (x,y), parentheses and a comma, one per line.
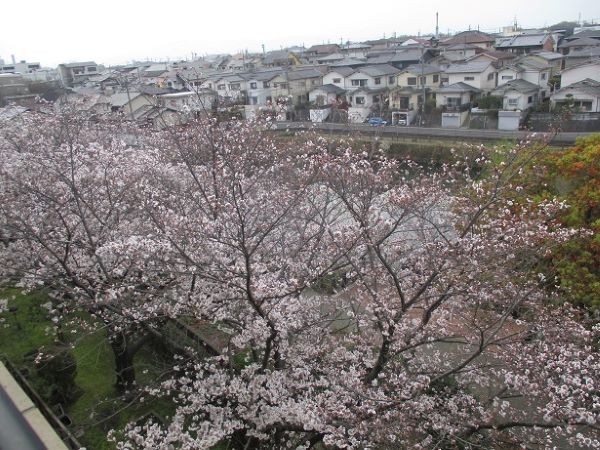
(376,121)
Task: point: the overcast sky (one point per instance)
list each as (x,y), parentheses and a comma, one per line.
(119,31)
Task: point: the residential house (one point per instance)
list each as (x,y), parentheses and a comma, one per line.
(76,74)
(317,51)
(338,77)
(260,86)
(478,74)
(330,59)
(199,101)
(462,52)
(411,81)
(231,88)
(474,37)
(326,94)
(496,57)
(456,96)
(518,94)
(532,69)
(574,74)
(582,95)
(577,45)
(355,50)
(402,58)
(301,82)
(129,102)
(576,58)
(373,76)
(364,100)
(526,43)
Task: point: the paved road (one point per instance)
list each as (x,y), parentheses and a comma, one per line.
(456,133)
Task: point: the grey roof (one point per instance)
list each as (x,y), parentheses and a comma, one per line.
(411,54)
(324,49)
(343,71)
(588,86)
(330,89)
(379,70)
(332,57)
(468,37)
(122,98)
(349,62)
(522,40)
(424,69)
(519,85)
(548,56)
(580,42)
(275,56)
(469,67)
(265,75)
(585,34)
(462,47)
(303,73)
(589,52)
(458,87)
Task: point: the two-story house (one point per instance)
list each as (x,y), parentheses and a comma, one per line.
(301,82)
(534,70)
(478,74)
(412,81)
(76,74)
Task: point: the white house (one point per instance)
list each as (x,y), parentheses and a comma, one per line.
(457,95)
(531,69)
(338,77)
(326,94)
(583,95)
(518,94)
(264,87)
(374,77)
(572,75)
(478,74)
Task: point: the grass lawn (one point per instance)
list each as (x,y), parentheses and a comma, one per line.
(27,328)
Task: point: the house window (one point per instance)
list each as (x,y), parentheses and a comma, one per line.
(530,99)
(436,78)
(234,86)
(209,85)
(513,102)
(253,101)
(411,81)
(378,80)
(280,85)
(490,76)
(314,82)
(469,78)
(337,80)
(422,80)
(391,80)
(359,100)
(91,69)
(359,83)
(253,86)
(376,99)
(266,84)
(453,101)
(544,76)
(507,77)
(221,87)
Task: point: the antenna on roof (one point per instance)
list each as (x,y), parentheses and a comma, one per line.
(437,28)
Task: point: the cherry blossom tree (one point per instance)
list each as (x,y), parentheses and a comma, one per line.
(439,331)
(66,198)
(364,302)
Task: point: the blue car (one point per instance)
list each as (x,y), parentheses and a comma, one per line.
(376,121)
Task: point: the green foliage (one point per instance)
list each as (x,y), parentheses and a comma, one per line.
(573,175)
(56,372)
(489,102)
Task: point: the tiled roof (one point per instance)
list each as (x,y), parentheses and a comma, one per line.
(519,85)
(468,37)
(458,87)
(468,67)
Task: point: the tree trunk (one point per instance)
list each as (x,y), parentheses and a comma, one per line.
(123,355)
